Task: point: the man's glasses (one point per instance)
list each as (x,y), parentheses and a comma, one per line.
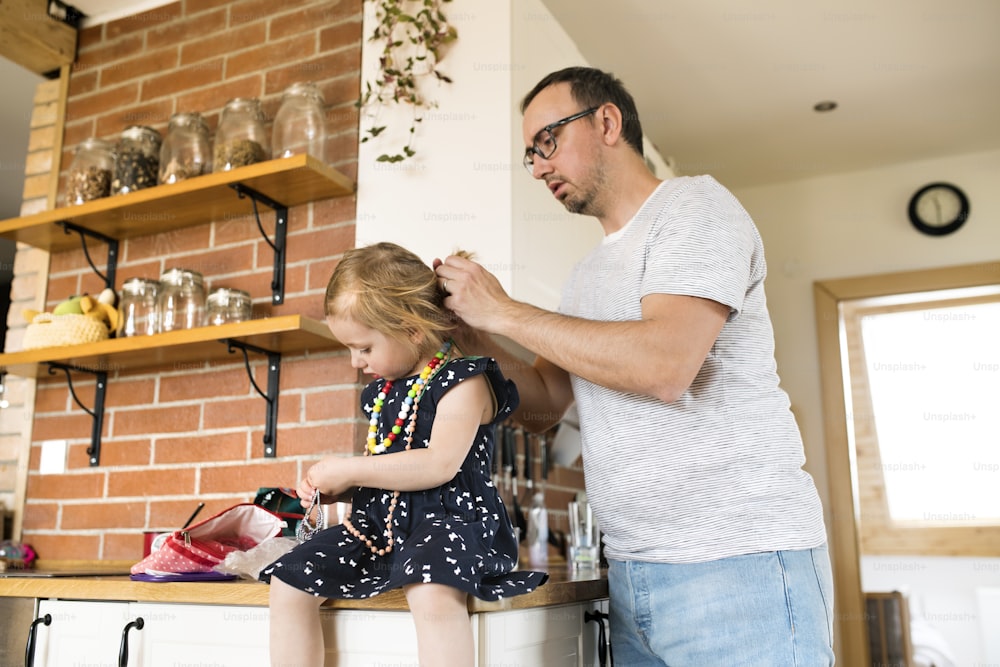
(544,144)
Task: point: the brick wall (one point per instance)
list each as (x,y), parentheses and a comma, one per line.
(175,436)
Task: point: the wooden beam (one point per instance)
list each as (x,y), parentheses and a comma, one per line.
(33,39)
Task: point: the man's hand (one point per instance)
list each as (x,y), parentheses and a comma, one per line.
(475,294)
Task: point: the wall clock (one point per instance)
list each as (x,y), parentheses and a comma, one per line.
(938,209)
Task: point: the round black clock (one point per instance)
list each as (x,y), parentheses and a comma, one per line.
(938,209)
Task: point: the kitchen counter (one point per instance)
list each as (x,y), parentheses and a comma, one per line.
(563,587)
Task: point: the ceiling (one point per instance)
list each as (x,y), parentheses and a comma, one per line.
(727,87)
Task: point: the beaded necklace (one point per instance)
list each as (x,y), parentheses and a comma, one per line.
(407,415)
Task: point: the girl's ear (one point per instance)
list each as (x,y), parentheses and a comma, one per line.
(416,337)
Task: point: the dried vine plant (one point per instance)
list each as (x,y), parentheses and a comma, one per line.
(414,35)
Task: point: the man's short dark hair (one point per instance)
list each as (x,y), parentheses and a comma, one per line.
(592,87)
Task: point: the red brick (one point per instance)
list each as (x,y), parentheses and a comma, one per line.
(82,82)
(70,426)
(75,133)
(104,514)
(248,477)
(268,55)
(89,38)
(164,247)
(140,65)
(126,452)
(330,404)
(178,80)
(128,391)
(123,546)
(209,101)
(143,21)
(91,105)
(322,371)
(319,274)
(246,11)
(319,441)
(152,482)
(107,52)
(223,43)
(206,24)
(320,244)
(325,66)
(79,485)
(156,420)
(187,387)
(40,516)
(195,6)
(172,514)
(307,19)
(149,269)
(201,448)
(64,547)
(346,34)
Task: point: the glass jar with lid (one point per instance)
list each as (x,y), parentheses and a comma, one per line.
(185,152)
(139,307)
(225,305)
(137,160)
(240,138)
(182,300)
(300,124)
(90,173)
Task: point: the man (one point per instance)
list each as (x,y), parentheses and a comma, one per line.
(692,459)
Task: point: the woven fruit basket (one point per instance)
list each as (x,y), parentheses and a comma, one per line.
(48,330)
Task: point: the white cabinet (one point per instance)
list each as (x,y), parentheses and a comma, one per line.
(90,633)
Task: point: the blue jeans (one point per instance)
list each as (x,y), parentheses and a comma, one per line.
(772,609)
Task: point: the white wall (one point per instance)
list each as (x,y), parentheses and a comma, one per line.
(855,224)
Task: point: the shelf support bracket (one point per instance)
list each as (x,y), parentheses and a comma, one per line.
(280,232)
(109,279)
(270,396)
(97,414)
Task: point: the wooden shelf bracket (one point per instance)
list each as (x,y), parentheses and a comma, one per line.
(97,414)
(270,396)
(109,277)
(280,233)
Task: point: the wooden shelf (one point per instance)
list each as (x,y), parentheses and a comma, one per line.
(287,334)
(196,201)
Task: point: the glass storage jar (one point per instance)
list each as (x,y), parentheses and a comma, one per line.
(300,124)
(182,300)
(225,305)
(240,138)
(137,160)
(139,307)
(90,173)
(185,152)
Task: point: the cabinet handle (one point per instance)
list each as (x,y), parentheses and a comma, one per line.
(29,651)
(123,651)
(603,646)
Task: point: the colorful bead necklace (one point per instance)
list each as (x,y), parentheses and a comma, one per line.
(407,415)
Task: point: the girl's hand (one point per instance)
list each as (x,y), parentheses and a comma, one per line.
(327,476)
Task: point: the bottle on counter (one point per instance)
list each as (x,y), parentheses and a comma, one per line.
(91,171)
(300,124)
(240,138)
(182,300)
(185,152)
(225,305)
(137,160)
(139,307)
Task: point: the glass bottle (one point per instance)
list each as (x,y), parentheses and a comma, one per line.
(181,300)
(139,307)
(185,152)
(90,173)
(225,305)
(137,160)
(240,138)
(300,124)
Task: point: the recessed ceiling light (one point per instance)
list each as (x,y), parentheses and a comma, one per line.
(826,105)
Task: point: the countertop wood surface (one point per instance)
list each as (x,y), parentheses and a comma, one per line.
(562,587)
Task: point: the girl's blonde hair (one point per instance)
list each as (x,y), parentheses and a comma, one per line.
(387,288)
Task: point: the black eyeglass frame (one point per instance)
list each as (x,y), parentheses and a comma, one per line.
(529,161)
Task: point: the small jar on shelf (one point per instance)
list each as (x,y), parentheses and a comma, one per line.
(240,139)
(300,124)
(90,173)
(181,300)
(225,305)
(139,308)
(137,160)
(186,150)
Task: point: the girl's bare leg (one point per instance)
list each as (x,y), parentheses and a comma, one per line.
(295,631)
(444,631)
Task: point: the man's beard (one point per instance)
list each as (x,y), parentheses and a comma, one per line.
(586,201)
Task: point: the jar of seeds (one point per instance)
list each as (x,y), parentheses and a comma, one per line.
(138,160)
(185,152)
(90,172)
(240,138)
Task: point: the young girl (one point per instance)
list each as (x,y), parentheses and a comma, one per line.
(425,515)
